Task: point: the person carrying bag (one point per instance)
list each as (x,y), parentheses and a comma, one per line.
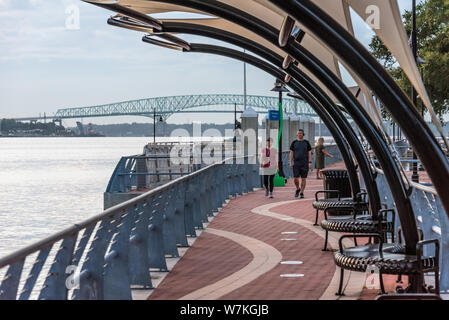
(268,167)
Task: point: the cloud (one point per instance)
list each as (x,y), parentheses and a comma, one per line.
(35,2)
(5,3)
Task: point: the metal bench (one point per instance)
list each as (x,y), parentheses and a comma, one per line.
(389,258)
(339,205)
(359,224)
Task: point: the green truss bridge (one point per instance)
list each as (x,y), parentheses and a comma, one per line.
(167,106)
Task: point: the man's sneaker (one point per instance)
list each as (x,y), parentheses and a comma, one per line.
(301,195)
(271,195)
(266,193)
(297,193)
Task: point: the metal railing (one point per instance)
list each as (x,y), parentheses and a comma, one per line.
(430,218)
(104,257)
(131,172)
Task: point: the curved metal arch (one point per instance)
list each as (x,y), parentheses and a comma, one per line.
(370,71)
(140,17)
(335,85)
(166,106)
(333,110)
(299,89)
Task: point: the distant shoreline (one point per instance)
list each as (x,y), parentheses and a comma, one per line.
(57,137)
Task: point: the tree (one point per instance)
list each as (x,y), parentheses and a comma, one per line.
(432,24)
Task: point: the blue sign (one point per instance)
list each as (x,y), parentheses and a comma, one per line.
(274,115)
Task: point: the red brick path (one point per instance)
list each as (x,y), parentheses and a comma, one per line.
(212,258)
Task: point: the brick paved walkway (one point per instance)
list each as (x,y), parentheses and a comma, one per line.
(242,253)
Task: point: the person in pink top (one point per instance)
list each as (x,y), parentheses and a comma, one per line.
(268,167)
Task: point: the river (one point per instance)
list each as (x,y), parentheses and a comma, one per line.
(46,184)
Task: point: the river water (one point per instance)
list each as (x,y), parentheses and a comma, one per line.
(46,184)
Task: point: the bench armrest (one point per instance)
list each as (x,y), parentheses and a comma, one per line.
(366,235)
(351,209)
(327,192)
(419,251)
(383,214)
(361,196)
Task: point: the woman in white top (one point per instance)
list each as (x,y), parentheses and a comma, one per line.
(268,167)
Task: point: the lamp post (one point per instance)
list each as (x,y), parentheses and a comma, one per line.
(154,124)
(279,86)
(420,61)
(415,175)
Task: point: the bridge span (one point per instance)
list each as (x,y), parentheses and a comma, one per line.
(167,106)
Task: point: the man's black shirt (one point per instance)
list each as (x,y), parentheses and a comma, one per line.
(300,153)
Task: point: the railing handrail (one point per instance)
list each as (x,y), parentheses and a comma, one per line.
(415,185)
(75,228)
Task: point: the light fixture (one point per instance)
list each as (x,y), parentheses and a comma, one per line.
(279,86)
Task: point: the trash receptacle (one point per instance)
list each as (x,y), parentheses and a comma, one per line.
(336,180)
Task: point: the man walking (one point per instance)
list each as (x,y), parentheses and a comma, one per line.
(300,161)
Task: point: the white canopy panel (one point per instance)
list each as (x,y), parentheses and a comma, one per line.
(390,31)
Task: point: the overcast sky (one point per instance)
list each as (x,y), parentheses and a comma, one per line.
(44,66)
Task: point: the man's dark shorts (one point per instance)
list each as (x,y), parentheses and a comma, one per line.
(300,171)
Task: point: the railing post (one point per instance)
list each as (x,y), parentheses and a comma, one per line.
(11,280)
(229,180)
(156,252)
(91,276)
(34,273)
(245,175)
(217,187)
(117,282)
(169,224)
(256,176)
(139,266)
(188,209)
(55,287)
(197,203)
(210,194)
(232,180)
(224,184)
(81,247)
(179,215)
(202,182)
(239,179)
(249,171)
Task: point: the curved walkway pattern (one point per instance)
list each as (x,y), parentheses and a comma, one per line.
(258,248)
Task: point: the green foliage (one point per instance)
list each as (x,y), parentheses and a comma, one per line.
(9,125)
(432,22)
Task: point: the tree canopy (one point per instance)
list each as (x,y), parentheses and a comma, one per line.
(432,24)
